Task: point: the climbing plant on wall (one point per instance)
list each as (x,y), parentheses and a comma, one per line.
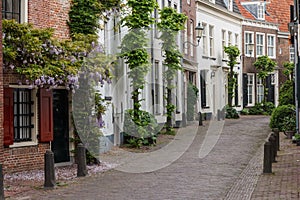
(170,24)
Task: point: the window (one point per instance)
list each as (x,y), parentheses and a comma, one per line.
(188,2)
(155,91)
(169,3)
(236,40)
(229,38)
(20,118)
(22,115)
(260,44)
(192,36)
(271,46)
(292,53)
(261,11)
(223,43)
(228,4)
(248,41)
(250,89)
(185,35)
(260,90)
(204,38)
(15,9)
(211,41)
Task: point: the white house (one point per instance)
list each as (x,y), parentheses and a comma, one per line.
(222,25)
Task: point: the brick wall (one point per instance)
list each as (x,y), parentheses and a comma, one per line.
(42,14)
(24,158)
(50,14)
(1,90)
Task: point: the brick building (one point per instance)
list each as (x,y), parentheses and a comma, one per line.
(264,32)
(34,119)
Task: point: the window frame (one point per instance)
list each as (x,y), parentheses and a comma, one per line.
(250,84)
(223,38)
(211,44)
(204,39)
(260,46)
(259,90)
(247,41)
(23,10)
(269,46)
(260,11)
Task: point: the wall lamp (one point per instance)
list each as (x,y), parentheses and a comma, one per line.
(199,31)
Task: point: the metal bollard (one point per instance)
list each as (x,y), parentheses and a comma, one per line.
(274,144)
(276,132)
(49,170)
(267,165)
(1,184)
(200,119)
(81,161)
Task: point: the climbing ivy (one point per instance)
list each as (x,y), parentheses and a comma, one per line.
(233,52)
(264,65)
(170,24)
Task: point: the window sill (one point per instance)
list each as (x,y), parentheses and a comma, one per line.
(205,107)
(213,58)
(23,144)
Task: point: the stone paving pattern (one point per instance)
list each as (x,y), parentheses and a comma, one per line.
(230,171)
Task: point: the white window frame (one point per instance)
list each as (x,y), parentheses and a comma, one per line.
(292,53)
(236,40)
(223,37)
(260,44)
(211,40)
(229,38)
(192,37)
(247,41)
(273,47)
(23,11)
(260,11)
(250,85)
(204,38)
(259,90)
(185,35)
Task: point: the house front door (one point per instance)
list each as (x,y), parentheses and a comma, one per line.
(60,144)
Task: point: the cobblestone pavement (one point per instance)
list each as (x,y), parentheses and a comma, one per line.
(229,171)
(284,182)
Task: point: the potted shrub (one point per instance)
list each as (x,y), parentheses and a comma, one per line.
(296,139)
(289,126)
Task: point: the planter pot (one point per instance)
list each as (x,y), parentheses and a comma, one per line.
(289,134)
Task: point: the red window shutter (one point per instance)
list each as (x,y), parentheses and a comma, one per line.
(8,123)
(46,116)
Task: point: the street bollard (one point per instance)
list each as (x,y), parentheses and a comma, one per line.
(81,161)
(272,142)
(49,170)
(267,165)
(276,132)
(200,119)
(1,184)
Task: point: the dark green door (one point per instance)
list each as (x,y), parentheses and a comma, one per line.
(60,144)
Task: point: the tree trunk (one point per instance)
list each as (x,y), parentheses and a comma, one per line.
(169,107)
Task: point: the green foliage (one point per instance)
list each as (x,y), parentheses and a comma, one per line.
(288,69)
(170,24)
(231,113)
(245,111)
(140,14)
(261,109)
(286,93)
(289,123)
(233,52)
(192,95)
(278,115)
(141,129)
(264,65)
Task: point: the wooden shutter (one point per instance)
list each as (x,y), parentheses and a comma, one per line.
(46,116)
(8,123)
(245,90)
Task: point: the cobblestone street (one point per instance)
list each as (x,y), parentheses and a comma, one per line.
(229,171)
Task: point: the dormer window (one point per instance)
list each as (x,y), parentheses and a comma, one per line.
(261,11)
(256,8)
(229,4)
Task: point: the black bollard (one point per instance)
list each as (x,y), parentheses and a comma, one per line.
(276,132)
(218,115)
(273,155)
(267,166)
(1,184)
(200,119)
(81,161)
(274,144)
(49,170)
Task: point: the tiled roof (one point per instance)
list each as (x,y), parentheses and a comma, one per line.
(222,4)
(249,11)
(277,11)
